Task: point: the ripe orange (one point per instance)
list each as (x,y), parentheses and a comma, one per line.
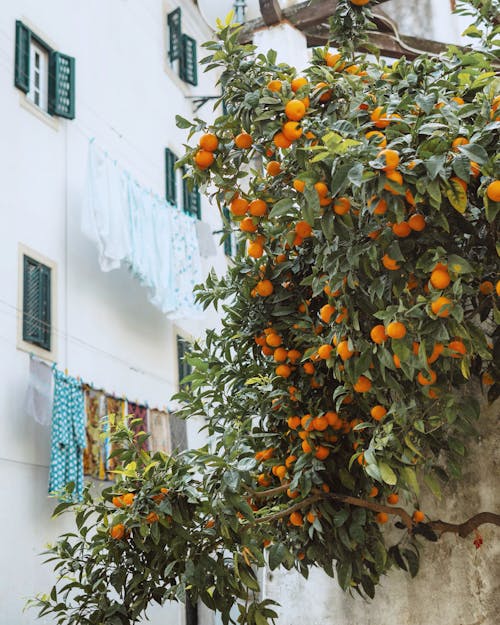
(320,423)
(264,288)
(380,207)
(264,479)
(326,95)
(379,136)
(208,142)
(297,83)
(326,312)
(343,350)
(322,452)
(459,141)
(280,141)
(293,422)
(274,85)
(296,519)
(487,287)
(418,516)
(279,471)
(417,222)
(378,118)
(284,371)
(360,3)
(152,517)
(437,350)
(247,225)
(308,368)
(382,518)
(117,501)
(255,249)
(325,351)
(303,229)
(475,170)
(393,176)
(273,339)
(290,460)
(128,499)
(362,385)
(311,517)
(306,447)
(321,189)
(332,59)
(458,348)
(378,334)
(427,378)
(295,110)
(390,263)
(373,492)
(273,168)
(299,185)
(204,159)
(493,191)
(390,158)
(441,307)
(292,494)
(440,278)
(243,141)
(393,499)
(292,130)
(402,229)
(341,205)
(397,361)
(396,330)
(294,355)
(280,354)
(257,208)
(117,531)
(238,206)
(378,412)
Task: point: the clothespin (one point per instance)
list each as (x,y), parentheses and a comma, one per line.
(66,371)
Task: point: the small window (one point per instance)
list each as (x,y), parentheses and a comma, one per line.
(191,199)
(170,176)
(229,242)
(46,76)
(184,368)
(37,313)
(182,49)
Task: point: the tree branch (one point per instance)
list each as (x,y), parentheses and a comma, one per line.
(377,507)
(465,528)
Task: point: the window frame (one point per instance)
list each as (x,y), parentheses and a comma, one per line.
(35,44)
(22,344)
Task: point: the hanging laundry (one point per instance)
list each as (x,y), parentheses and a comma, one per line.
(139,414)
(115,415)
(68,437)
(133,227)
(39,395)
(160,431)
(205,239)
(105,215)
(94,460)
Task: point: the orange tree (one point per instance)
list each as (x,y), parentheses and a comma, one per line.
(362,301)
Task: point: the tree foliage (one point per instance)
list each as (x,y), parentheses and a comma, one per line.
(317,422)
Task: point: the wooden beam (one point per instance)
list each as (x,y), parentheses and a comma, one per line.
(271,12)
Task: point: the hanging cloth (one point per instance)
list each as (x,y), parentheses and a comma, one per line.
(114,408)
(138,413)
(39,395)
(94,461)
(160,431)
(68,438)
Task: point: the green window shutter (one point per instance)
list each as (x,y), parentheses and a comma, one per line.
(170,185)
(188,68)
(22,69)
(191,199)
(62,85)
(36,303)
(184,367)
(228,241)
(174,34)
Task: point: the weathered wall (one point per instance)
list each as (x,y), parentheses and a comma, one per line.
(456,585)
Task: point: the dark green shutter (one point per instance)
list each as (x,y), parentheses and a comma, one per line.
(188,64)
(191,611)
(170,186)
(228,241)
(174,34)
(62,85)
(36,303)
(191,199)
(184,367)
(22,69)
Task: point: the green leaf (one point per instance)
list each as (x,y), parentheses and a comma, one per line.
(433,485)
(387,474)
(410,477)
(456,196)
(281,208)
(475,152)
(181,122)
(277,553)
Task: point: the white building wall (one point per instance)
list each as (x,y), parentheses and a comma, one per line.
(107,331)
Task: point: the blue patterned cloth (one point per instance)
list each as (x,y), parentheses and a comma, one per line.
(68,437)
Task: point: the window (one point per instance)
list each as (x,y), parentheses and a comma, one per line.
(191,199)
(229,243)
(182,49)
(184,368)
(37,309)
(46,76)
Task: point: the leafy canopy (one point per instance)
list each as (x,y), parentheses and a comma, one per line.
(318,422)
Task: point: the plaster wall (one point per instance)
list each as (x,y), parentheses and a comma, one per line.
(107,332)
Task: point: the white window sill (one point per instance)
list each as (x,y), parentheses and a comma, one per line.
(30,106)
